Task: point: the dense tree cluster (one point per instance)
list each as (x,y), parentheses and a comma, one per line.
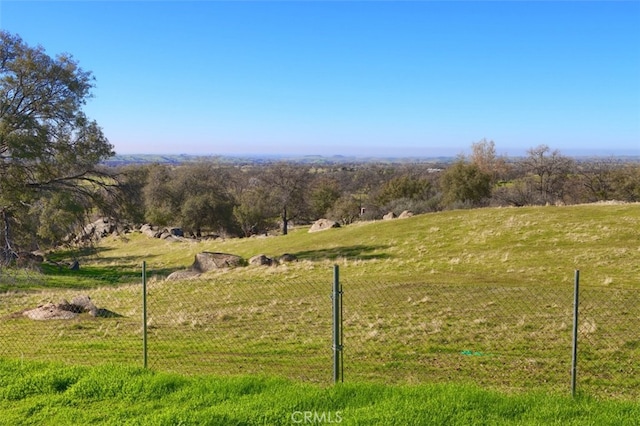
(243,200)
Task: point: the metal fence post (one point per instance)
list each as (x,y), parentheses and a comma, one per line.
(337,327)
(144,314)
(574,356)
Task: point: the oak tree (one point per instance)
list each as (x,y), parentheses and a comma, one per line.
(288,185)
(465,183)
(549,170)
(50,150)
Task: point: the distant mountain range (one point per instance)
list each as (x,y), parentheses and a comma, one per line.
(124,159)
(127,159)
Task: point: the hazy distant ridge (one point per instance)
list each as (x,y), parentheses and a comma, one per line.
(124,159)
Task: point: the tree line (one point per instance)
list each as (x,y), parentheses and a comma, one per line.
(248,200)
(53,177)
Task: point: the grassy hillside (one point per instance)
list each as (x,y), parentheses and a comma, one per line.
(481,296)
(534,245)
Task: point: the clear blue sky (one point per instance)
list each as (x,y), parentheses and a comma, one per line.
(341,77)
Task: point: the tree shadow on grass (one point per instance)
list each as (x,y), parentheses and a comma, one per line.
(57,273)
(76,253)
(88,276)
(356,252)
(94,254)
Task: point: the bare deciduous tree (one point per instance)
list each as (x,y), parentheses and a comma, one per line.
(550,170)
(288,186)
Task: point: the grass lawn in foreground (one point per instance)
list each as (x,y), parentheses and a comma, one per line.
(53,394)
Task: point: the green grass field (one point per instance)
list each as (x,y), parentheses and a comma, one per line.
(530,245)
(36,394)
(472,296)
(533,245)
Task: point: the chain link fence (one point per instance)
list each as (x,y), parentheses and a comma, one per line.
(609,341)
(507,337)
(227,326)
(512,337)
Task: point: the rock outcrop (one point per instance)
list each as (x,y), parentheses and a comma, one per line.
(68,310)
(209,261)
(261,260)
(323,225)
(389,216)
(287,258)
(205,262)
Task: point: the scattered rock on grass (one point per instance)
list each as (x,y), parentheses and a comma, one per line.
(323,225)
(261,260)
(287,258)
(185,274)
(49,311)
(209,261)
(68,310)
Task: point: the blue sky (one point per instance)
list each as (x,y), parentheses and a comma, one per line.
(401,78)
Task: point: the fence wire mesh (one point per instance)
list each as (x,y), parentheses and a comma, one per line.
(499,336)
(239,326)
(512,337)
(609,341)
(39,323)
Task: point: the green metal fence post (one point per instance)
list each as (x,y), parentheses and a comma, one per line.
(337,327)
(144,314)
(574,355)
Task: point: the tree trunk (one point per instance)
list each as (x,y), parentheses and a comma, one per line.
(7,254)
(285,221)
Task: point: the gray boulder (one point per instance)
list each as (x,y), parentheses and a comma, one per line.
(323,225)
(150,231)
(68,310)
(287,258)
(261,260)
(209,261)
(49,311)
(183,275)
(171,234)
(96,230)
(84,304)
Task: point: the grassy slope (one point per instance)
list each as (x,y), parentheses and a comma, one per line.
(34,393)
(406,319)
(536,245)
